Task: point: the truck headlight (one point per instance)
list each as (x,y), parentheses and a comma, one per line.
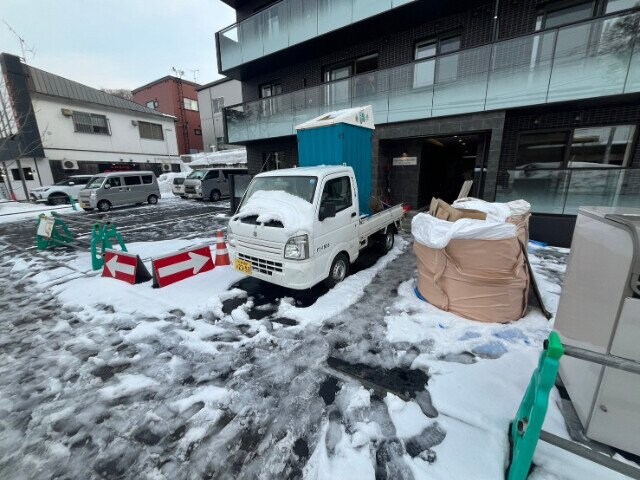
(297,248)
(198,188)
(92,194)
(231,239)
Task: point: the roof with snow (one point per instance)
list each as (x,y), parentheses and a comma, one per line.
(47,83)
(359,116)
(222,157)
(316,171)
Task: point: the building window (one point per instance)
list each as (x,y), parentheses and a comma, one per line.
(151,104)
(27,172)
(618,5)
(151,131)
(340,86)
(338,192)
(578,148)
(424,73)
(217,104)
(191,104)
(271,106)
(555,16)
(197,131)
(90,123)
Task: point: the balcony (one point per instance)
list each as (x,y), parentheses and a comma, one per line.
(291,22)
(591,59)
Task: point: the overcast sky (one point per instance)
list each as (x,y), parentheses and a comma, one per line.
(117,43)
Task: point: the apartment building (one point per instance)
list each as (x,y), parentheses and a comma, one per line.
(52,127)
(212,98)
(530,99)
(177,97)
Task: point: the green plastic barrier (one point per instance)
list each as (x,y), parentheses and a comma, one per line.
(101,240)
(526,427)
(58,233)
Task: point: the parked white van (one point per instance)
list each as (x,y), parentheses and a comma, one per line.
(119,188)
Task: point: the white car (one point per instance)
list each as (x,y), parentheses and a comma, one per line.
(60,192)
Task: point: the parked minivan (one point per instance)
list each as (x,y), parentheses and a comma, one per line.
(119,188)
(210,183)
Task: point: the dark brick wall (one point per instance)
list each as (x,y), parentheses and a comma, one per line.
(517,17)
(474,25)
(287,148)
(564,117)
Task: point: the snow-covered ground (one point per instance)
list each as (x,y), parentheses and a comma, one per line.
(17,211)
(202,379)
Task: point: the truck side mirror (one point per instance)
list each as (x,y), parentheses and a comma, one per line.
(107,186)
(327,210)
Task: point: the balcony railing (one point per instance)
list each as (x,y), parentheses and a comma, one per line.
(562,191)
(584,60)
(290,22)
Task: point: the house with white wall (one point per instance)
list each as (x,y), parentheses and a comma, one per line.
(212,98)
(64,128)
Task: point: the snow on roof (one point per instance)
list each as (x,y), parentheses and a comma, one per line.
(359,116)
(293,212)
(221,157)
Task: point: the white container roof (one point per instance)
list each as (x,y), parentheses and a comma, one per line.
(221,157)
(358,116)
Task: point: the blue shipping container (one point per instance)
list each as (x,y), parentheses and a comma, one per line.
(340,144)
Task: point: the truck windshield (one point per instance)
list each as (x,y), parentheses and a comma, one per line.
(303,187)
(95,182)
(198,174)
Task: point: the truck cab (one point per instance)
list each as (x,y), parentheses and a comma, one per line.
(298,227)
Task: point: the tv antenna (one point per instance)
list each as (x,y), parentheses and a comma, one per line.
(24,47)
(195,74)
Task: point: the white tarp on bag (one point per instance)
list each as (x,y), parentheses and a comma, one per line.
(496,211)
(435,233)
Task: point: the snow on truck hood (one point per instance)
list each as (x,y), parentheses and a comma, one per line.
(293,212)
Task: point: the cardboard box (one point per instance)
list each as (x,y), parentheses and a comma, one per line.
(442,210)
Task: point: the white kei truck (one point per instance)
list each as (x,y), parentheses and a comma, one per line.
(298,227)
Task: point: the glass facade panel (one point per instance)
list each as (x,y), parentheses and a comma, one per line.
(411,91)
(617,5)
(563,16)
(303,25)
(230,48)
(251,36)
(275,27)
(372,88)
(520,71)
(592,59)
(461,81)
(333,14)
(368,8)
(545,190)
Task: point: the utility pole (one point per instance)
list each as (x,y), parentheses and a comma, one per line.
(21,172)
(183,116)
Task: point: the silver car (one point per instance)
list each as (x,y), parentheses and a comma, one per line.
(119,188)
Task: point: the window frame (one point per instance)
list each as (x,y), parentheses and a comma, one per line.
(197,132)
(190,101)
(151,136)
(570,136)
(217,105)
(127,177)
(543,13)
(75,116)
(27,172)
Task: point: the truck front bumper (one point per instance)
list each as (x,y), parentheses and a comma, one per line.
(297,275)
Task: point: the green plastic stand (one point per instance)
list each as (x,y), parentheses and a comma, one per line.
(526,427)
(101,240)
(60,235)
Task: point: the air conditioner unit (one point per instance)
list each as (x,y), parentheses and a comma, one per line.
(69,165)
(67,112)
(166,167)
(134,123)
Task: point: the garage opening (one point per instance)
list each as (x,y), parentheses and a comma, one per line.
(447,162)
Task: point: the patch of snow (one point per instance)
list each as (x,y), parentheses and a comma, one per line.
(293,212)
(346,293)
(127,384)
(209,395)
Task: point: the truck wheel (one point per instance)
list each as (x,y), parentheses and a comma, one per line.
(215,196)
(104,205)
(153,199)
(338,271)
(386,241)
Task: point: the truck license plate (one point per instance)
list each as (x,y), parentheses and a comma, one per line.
(244,267)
